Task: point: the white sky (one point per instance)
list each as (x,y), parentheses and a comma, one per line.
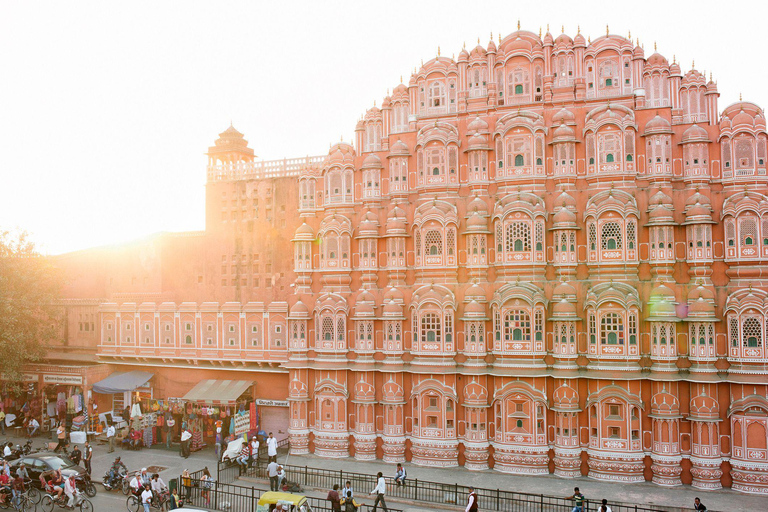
(107,108)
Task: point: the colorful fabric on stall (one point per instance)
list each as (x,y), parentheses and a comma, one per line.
(148,436)
(197,440)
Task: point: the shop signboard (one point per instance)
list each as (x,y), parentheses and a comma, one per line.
(63,379)
(272,403)
(242,423)
(25,377)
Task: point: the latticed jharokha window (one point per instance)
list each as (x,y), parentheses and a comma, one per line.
(518,237)
(610,236)
(752,332)
(517,326)
(611,329)
(433,243)
(431,328)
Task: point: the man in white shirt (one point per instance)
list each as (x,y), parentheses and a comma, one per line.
(186,435)
(158,486)
(70,489)
(380,490)
(471,501)
(32,427)
(146,497)
(272,469)
(7,450)
(111,437)
(280,477)
(272,448)
(254,451)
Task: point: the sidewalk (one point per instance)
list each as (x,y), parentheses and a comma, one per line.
(641,493)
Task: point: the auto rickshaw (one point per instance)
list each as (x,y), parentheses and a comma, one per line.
(277,502)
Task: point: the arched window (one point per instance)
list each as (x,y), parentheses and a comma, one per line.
(611,329)
(436,94)
(519,161)
(752,332)
(610,236)
(609,157)
(431,328)
(517,326)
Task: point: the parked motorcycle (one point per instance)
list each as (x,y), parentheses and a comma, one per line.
(86,485)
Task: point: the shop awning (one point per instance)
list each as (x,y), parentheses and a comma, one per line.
(122,382)
(217,392)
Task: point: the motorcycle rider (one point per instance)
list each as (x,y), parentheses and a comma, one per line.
(22,471)
(115,473)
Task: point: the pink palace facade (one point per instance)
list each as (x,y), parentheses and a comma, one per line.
(548,256)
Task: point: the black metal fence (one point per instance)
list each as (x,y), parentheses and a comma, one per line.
(214,495)
(433,492)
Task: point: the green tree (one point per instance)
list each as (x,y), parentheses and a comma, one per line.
(29,317)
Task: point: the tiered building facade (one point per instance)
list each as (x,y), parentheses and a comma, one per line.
(546,256)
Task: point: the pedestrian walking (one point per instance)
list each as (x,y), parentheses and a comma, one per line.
(271,448)
(380,490)
(333,497)
(472,505)
(169,424)
(61,435)
(2,421)
(111,437)
(88,456)
(698,505)
(186,435)
(146,497)
(604,506)
(272,469)
(578,500)
(255,452)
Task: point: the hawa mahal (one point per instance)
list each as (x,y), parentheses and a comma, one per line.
(548,255)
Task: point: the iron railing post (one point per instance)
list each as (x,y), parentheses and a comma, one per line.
(541,502)
(416,489)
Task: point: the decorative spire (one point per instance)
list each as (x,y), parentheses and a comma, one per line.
(589,40)
(518,23)
(438,51)
(606,30)
(710,76)
(578,29)
(401,78)
(629,35)
(539,32)
(491,35)
(654,46)
(562,29)
(739,96)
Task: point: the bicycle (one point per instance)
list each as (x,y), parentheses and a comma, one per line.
(24,502)
(133,503)
(82,504)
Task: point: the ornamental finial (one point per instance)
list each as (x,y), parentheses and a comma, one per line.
(654,46)
(518,23)
(606,30)
(438,51)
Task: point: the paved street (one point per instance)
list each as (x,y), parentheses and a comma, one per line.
(172,465)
